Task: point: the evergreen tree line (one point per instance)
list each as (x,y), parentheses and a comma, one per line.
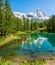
(10,24)
(50,24)
(6,18)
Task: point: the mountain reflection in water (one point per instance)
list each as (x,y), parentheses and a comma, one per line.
(31,44)
(34,46)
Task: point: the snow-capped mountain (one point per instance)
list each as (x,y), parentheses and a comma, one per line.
(38,14)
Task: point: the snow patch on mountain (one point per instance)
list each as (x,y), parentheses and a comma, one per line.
(38,14)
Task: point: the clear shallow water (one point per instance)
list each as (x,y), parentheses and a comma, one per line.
(33,45)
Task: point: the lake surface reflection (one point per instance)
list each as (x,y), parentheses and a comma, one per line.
(37,44)
(32,45)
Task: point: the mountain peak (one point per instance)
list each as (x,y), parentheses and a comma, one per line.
(38,14)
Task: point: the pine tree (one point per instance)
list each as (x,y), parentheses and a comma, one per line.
(32,25)
(8,18)
(35,25)
(1,17)
(24,24)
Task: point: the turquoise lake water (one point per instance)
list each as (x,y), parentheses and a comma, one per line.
(33,45)
(37,44)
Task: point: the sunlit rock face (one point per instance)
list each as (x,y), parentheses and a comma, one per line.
(37,15)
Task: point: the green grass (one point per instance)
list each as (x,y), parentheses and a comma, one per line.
(20,33)
(6,63)
(6,40)
(33,63)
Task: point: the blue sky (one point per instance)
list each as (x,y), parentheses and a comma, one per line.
(25,6)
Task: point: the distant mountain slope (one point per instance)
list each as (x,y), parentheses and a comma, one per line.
(37,15)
